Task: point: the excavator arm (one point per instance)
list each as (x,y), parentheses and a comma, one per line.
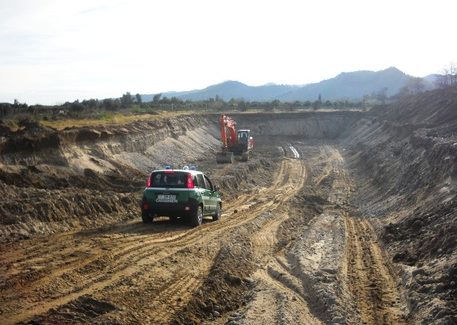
(227,124)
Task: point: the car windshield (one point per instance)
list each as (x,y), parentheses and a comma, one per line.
(169,179)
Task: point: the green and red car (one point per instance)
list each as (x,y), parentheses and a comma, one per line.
(180,193)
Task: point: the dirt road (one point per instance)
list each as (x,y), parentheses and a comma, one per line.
(287,253)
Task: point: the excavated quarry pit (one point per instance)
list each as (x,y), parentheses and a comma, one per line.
(339,218)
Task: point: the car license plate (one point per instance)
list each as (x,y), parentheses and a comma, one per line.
(167,198)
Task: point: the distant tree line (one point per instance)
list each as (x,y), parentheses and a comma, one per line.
(133,104)
(71,109)
(239,104)
(14,109)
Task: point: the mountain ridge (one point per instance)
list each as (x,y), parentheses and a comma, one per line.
(346,85)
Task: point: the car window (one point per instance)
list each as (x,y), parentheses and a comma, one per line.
(169,179)
(201,181)
(209,185)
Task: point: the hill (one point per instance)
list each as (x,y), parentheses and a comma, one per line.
(352,85)
(231,89)
(347,85)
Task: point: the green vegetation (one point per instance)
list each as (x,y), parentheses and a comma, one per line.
(128,108)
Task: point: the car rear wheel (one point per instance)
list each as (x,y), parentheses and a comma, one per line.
(217,214)
(197,217)
(147,217)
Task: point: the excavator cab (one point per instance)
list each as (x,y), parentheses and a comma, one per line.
(243,136)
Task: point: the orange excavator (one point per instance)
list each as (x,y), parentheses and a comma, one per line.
(235,143)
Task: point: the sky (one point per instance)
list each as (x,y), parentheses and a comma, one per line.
(53,51)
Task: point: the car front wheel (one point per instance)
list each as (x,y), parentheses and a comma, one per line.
(218,213)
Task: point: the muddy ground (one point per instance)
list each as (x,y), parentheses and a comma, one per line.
(338,218)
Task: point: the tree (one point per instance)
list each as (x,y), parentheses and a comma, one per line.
(242,105)
(126,99)
(448,77)
(165,100)
(111,104)
(233,103)
(138,98)
(76,106)
(156,98)
(90,103)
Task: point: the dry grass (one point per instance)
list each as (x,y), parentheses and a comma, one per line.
(109,119)
(11,124)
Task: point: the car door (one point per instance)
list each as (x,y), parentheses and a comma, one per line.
(204,192)
(212,195)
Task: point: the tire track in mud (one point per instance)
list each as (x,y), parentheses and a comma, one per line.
(369,277)
(335,270)
(111,262)
(254,211)
(276,284)
(364,267)
(265,239)
(251,246)
(173,296)
(279,283)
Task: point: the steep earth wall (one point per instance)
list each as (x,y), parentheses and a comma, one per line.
(305,125)
(404,158)
(53,181)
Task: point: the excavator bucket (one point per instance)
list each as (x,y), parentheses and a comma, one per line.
(224,157)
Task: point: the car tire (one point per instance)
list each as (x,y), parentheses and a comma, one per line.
(218,213)
(147,218)
(197,217)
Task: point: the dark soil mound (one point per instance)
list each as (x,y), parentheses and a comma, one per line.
(30,137)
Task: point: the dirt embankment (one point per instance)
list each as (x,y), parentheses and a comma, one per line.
(405,160)
(53,181)
(308,125)
(91,176)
